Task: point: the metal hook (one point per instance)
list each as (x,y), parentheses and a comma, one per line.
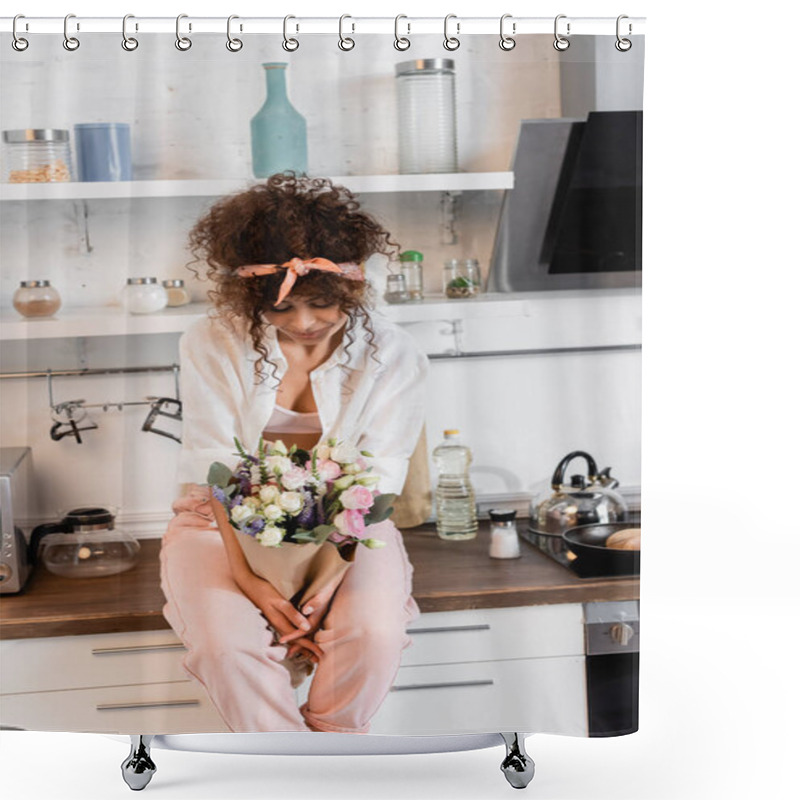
(560,43)
(345,42)
(18,43)
(289,44)
(183,43)
(401,42)
(507,42)
(451,42)
(623,45)
(70,42)
(128,42)
(234,45)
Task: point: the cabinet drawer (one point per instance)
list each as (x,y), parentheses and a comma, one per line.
(79,662)
(180,707)
(491,634)
(546,695)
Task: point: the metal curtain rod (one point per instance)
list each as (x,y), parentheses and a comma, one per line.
(63,373)
(462,26)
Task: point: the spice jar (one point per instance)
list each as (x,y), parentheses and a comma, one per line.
(411,268)
(504,537)
(36,299)
(177,294)
(143,296)
(37,155)
(396,291)
(462,278)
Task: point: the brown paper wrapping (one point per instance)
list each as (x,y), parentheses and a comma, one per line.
(296,571)
(413,506)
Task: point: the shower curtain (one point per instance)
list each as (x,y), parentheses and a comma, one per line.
(469,216)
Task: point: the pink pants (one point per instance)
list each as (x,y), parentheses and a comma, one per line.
(235,655)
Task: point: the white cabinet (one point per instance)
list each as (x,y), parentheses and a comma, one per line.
(465,672)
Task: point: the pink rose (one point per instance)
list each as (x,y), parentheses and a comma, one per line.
(328,470)
(350,522)
(294,478)
(356,497)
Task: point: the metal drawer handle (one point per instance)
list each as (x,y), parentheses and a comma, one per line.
(151,704)
(136,648)
(454,628)
(489,682)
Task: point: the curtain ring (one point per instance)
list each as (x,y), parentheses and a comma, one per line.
(345,42)
(70,42)
(183,43)
(401,42)
(623,45)
(290,45)
(507,42)
(128,42)
(18,43)
(560,43)
(451,42)
(234,45)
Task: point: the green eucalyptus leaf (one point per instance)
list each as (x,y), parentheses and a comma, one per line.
(218,474)
(381,509)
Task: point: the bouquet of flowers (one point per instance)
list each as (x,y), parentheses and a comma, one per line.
(298,515)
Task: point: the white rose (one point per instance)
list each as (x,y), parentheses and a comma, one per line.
(269,494)
(278,464)
(270,536)
(251,502)
(273,513)
(344,453)
(279,448)
(292,502)
(323,452)
(241,513)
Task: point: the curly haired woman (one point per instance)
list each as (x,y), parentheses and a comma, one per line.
(291,352)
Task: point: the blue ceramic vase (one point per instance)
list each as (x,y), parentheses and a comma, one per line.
(278,130)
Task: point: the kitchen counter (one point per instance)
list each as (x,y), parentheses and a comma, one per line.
(448,576)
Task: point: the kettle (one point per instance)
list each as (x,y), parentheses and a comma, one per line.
(84,544)
(585,500)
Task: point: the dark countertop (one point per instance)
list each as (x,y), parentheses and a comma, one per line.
(448,576)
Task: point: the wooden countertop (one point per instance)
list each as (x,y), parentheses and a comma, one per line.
(447,576)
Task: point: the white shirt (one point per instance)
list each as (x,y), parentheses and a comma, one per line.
(379,407)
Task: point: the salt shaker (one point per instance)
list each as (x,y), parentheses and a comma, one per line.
(36,298)
(504,541)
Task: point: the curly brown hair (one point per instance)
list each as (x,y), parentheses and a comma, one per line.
(285,217)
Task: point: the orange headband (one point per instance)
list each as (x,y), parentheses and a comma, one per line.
(298,266)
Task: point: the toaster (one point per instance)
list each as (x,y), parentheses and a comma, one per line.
(17,505)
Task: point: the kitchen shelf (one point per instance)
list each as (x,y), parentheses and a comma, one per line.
(114,321)
(450,182)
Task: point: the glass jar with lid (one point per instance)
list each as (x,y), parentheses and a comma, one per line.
(411,267)
(396,291)
(36,299)
(462,278)
(426,112)
(177,294)
(36,155)
(143,296)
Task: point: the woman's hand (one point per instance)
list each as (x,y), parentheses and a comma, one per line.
(314,610)
(282,615)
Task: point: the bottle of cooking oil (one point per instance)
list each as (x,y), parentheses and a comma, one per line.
(455,498)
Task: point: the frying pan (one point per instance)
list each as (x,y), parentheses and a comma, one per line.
(593,557)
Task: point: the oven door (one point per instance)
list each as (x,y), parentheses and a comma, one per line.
(612,667)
